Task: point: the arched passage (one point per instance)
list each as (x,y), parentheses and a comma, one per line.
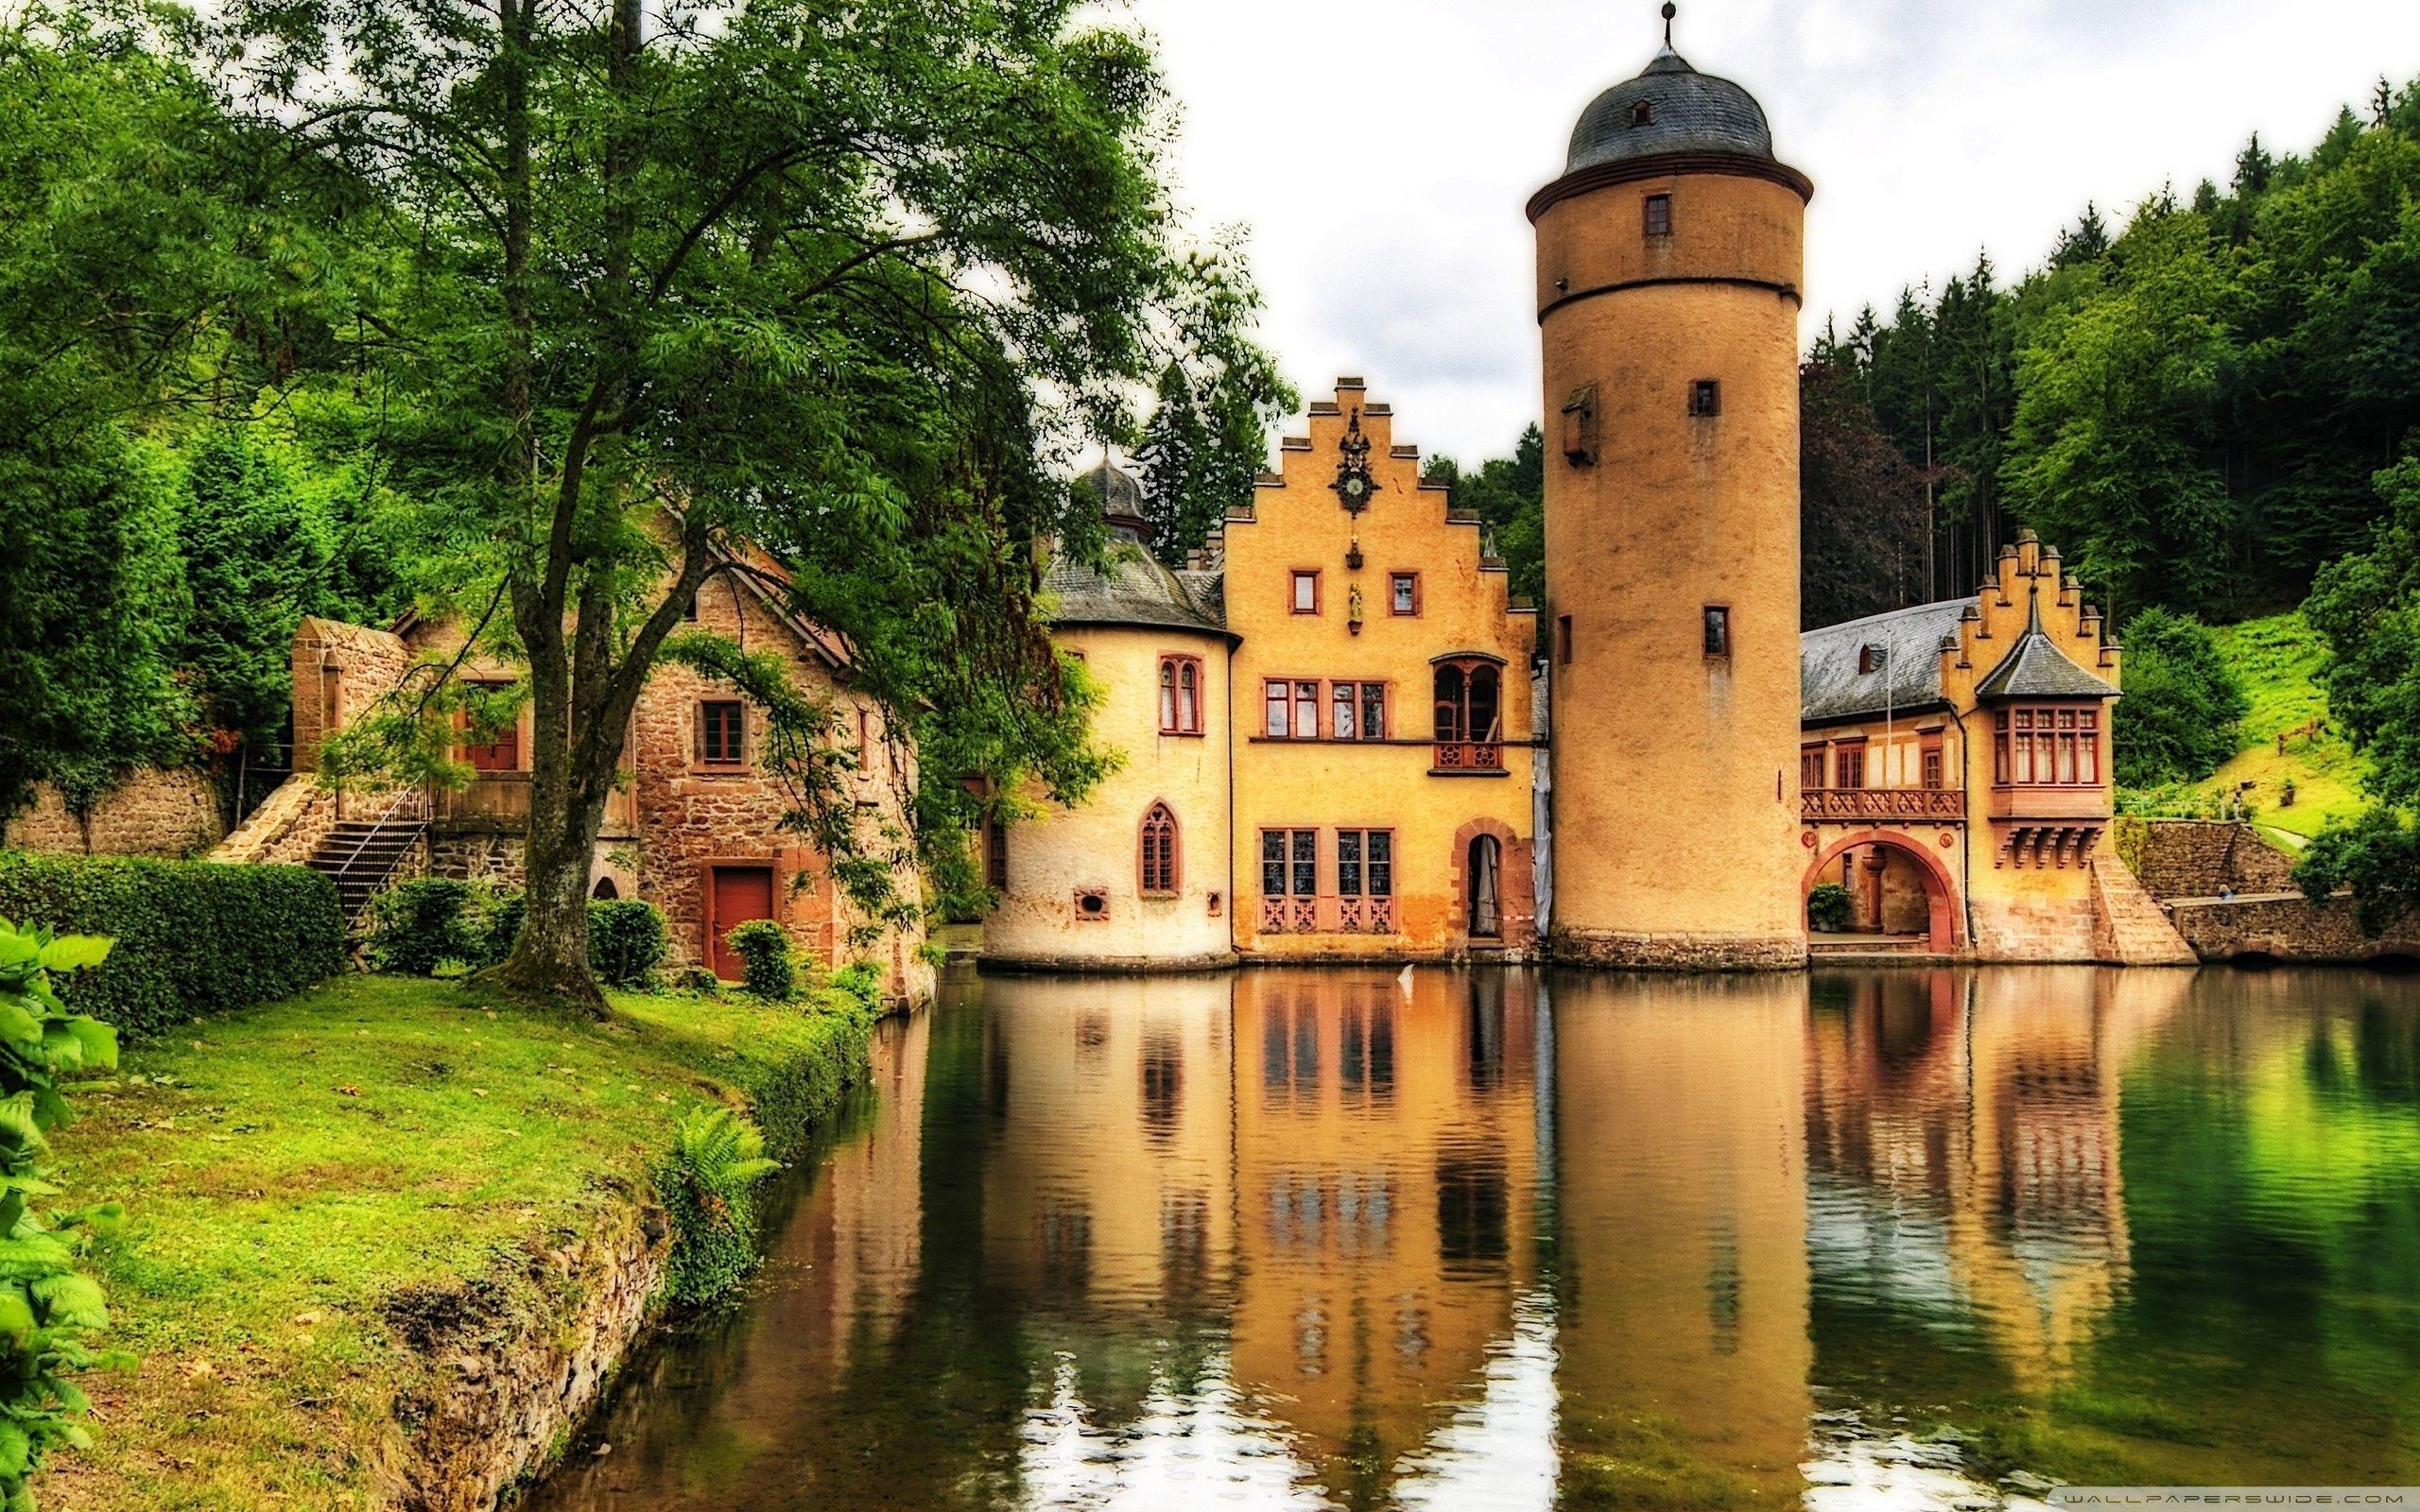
(1944,933)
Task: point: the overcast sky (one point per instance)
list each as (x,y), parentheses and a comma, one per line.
(1381,153)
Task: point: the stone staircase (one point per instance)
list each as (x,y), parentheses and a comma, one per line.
(359,855)
(2129,926)
(1866,948)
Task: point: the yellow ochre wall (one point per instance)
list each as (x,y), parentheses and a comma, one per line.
(1297,521)
(1675,784)
(1097,844)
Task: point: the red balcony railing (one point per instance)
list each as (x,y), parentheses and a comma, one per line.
(1816,804)
(1327,915)
(1469,756)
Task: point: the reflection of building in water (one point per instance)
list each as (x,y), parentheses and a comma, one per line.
(1963,1137)
(1107,1181)
(1680,1209)
(867,1226)
(1385,1155)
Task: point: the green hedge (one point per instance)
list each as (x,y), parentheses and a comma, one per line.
(193,936)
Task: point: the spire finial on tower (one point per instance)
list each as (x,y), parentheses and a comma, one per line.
(1670,12)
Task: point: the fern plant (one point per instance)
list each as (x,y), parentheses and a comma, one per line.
(48,1308)
(708,1184)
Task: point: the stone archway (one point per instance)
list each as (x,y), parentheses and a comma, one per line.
(1944,931)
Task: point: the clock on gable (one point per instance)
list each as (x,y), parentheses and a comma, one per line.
(1354,484)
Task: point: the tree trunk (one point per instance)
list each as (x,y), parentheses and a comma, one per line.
(569,779)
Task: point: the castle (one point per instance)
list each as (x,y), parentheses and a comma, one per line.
(1327,721)
(1341,738)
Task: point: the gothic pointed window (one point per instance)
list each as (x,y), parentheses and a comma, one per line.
(1159,851)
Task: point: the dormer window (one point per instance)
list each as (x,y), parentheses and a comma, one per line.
(1869,659)
(1642,114)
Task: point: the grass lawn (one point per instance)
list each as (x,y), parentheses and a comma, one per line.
(289,1169)
(2278,659)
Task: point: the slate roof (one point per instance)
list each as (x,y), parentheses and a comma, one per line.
(1829,685)
(1130,587)
(2037,668)
(1690,113)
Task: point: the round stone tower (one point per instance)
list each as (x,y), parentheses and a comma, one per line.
(1669,255)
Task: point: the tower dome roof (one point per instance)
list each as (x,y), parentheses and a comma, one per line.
(1669,107)
(1120,496)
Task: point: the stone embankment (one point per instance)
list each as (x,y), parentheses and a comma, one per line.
(2230,895)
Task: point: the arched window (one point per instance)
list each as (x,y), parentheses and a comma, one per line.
(1159,851)
(1468,701)
(1179,695)
(605,891)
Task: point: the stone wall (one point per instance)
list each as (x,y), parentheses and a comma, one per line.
(155,812)
(2288,927)
(2196,858)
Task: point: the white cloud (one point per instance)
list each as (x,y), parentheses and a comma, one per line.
(1381,154)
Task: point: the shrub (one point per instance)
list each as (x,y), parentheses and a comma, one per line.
(2376,857)
(768,971)
(496,923)
(192,937)
(708,1184)
(47,1307)
(626,940)
(861,980)
(1828,906)
(416,925)
(2183,703)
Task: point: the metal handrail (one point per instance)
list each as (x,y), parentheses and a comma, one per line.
(386,818)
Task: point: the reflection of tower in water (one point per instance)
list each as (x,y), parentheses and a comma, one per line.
(1682,1228)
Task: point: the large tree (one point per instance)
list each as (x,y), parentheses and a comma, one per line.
(107,273)
(653,292)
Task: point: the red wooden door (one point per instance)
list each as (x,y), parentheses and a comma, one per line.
(735,895)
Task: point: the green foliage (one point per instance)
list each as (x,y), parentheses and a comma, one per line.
(269,533)
(2367,608)
(2184,707)
(2376,857)
(862,981)
(2112,456)
(419,924)
(2190,407)
(193,938)
(846,291)
(769,968)
(48,1308)
(626,940)
(708,1184)
(1828,907)
(429,926)
(1509,494)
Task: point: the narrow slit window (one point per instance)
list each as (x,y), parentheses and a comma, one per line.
(1718,630)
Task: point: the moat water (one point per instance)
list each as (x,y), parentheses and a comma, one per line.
(1494,1239)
